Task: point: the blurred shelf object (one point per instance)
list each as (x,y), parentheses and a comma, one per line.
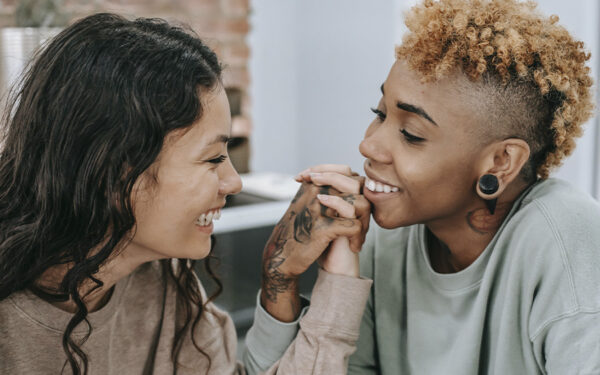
(17,46)
(264,199)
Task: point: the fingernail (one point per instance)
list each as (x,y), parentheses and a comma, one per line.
(314,174)
(323,197)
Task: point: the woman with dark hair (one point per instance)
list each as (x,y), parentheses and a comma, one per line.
(113,167)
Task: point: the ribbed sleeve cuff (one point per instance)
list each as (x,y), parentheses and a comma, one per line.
(269,338)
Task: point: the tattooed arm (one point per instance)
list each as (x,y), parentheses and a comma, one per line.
(306,230)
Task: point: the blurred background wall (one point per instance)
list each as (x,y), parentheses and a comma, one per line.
(302,74)
(316,67)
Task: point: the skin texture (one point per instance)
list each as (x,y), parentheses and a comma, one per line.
(189,182)
(317,216)
(437,176)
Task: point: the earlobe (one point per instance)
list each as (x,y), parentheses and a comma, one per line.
(487,187)
(505,164)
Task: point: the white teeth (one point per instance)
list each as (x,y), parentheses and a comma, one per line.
(370,184)
(379,187)
(207,218)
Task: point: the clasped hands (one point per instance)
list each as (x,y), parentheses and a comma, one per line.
(327,221)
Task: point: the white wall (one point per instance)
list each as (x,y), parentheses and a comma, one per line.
(274,92)
(581,18)
(316,67)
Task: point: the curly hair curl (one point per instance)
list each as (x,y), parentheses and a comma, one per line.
(512,47)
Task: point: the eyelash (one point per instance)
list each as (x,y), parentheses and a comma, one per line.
(380,115)
(218,160)
(409,137)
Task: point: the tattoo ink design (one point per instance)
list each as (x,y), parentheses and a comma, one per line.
(303,224)
(350,199)
(275,282)
(481,222)
(471,222)
(326,190)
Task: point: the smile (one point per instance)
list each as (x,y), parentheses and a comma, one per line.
(379,187)
(206,219)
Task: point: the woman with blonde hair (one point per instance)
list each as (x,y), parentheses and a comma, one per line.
(481,263)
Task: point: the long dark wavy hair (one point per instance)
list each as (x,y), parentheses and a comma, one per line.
(87,119)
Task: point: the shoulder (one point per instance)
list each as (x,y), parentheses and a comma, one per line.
(556,231)
(556,213)
(562,206)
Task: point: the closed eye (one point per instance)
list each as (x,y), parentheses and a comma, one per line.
(218,160)
(380,115)
(411,138)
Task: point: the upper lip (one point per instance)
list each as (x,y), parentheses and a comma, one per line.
(374,177)
(216,208)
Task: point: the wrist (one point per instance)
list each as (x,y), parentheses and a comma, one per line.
(281,302)
(352,271)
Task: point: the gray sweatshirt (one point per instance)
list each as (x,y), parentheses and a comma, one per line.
(529,304)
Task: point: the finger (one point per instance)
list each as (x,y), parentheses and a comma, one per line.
(355,236)
(336,168)
(344,208)
(329,228)
(361,205)
(362,211)
(344,184)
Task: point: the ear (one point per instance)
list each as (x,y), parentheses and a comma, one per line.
(503,159)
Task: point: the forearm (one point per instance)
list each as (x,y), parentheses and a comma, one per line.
(280,296)
(329,329)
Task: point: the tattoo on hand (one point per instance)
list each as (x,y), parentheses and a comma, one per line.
(303,225)
(350,199)
(296,225)
(275,282)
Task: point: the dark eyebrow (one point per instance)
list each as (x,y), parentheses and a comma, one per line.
(416,110)
(413,109)
(221,138)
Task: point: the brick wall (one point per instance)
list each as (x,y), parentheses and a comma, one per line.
(222,24)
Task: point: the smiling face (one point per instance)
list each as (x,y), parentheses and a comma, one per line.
(193,176)
(424,145)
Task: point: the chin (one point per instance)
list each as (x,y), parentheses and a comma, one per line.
(387,220)
(196,253)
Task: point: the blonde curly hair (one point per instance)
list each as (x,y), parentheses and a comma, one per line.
(509,46)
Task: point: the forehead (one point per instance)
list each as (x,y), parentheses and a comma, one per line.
(448,101)
(215,121)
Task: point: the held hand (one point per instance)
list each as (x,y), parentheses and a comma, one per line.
(339,258)
(300,237)
(343,179)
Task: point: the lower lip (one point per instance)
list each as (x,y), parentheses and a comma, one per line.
(206,228)
(379,197)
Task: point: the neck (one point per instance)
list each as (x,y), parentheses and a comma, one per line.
(114,269)
(456,242)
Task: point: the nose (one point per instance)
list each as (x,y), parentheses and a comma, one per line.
(230,182)
(374,146)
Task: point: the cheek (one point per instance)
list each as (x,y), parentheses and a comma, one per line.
(433,187)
